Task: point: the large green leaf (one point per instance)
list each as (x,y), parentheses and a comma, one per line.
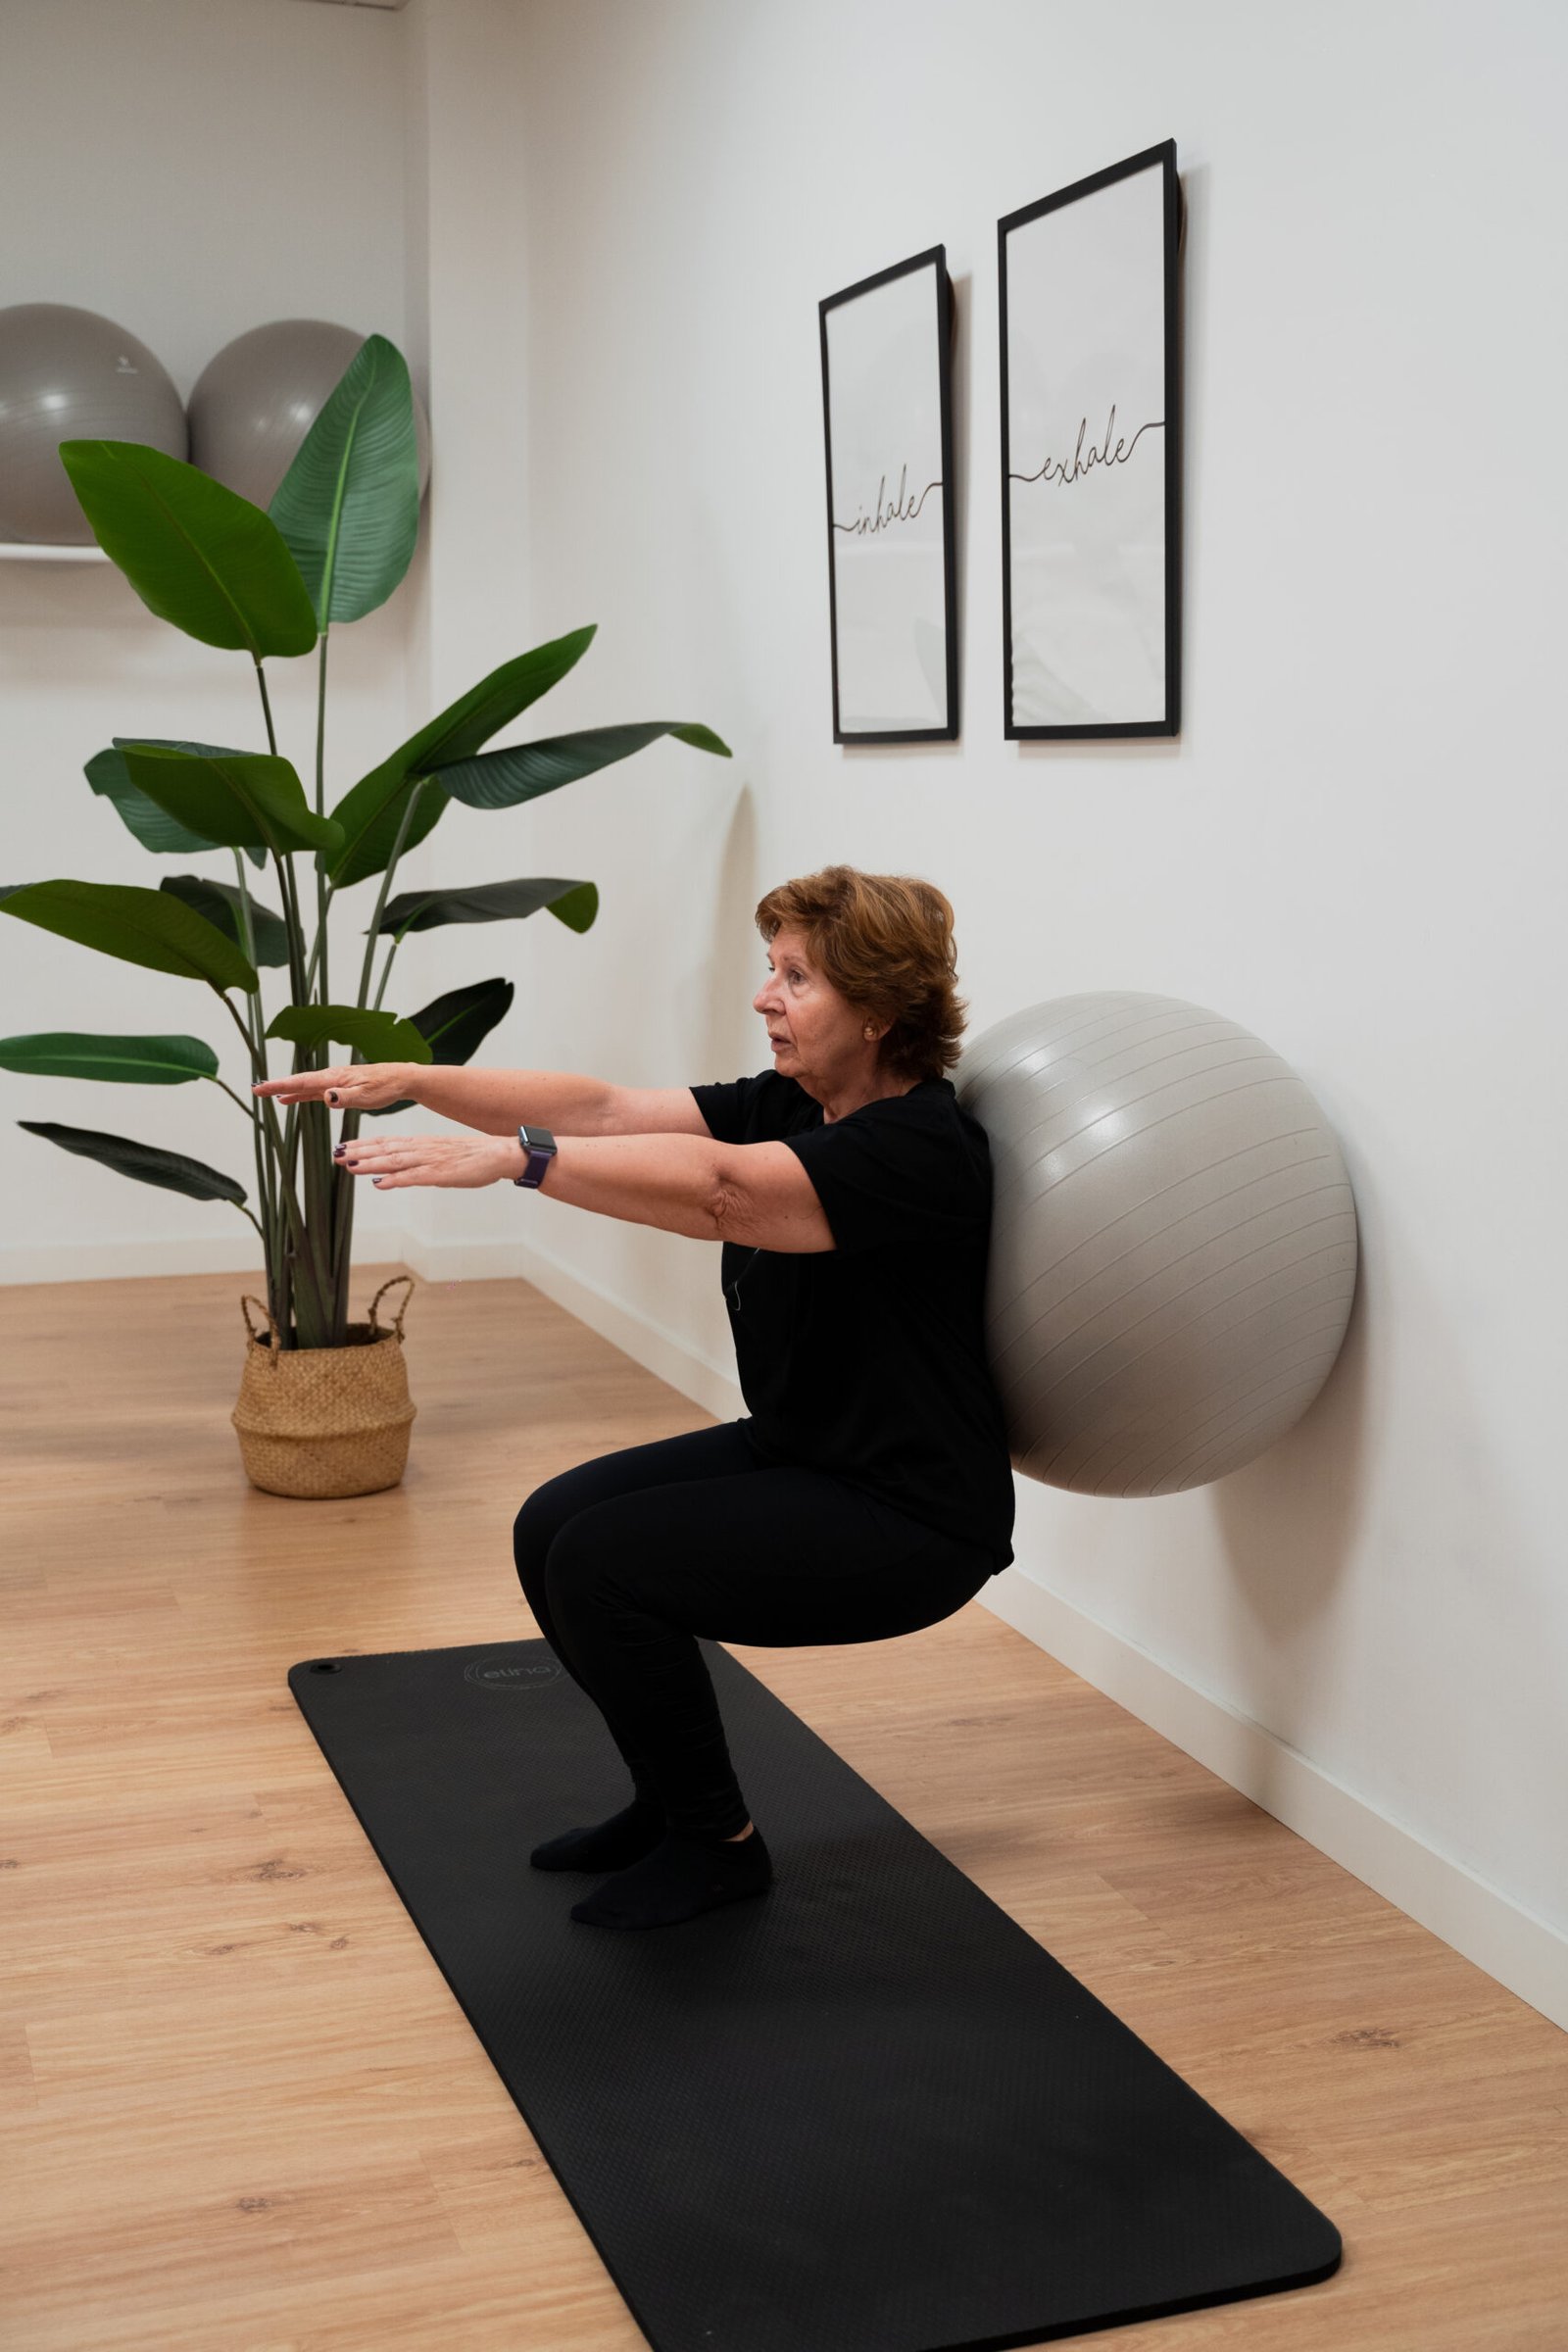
(145,1162)
(371,833)
(133,1060)
(348,505)
(107,773)
(141,926)
(372,810)
(576,903)
(378,1036)
(456,1026)
(502,779)
(458,1023)
(219,901)
(196,553)
(241,797)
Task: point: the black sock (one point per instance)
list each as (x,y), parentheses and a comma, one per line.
(624,1838)
(678,1879)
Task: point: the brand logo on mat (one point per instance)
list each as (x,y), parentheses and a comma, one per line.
(512,1674)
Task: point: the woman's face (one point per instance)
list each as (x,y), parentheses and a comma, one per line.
(817,1036)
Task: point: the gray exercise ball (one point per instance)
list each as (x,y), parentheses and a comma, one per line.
(255,399)
(68,375)
(1173,1250)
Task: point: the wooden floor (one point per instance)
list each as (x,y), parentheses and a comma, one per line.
(242,2110)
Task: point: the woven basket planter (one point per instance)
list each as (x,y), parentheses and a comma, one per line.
(317,1422)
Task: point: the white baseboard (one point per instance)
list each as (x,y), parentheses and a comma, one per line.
(1524,1954)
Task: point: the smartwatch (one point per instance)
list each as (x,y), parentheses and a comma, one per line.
(540,1147)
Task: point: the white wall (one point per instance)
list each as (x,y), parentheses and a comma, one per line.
(1355,848)
(189,168)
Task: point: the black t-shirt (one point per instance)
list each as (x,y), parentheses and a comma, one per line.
(868,1360)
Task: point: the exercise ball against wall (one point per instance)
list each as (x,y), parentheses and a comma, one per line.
(255,399)
(68,375)
(1173,1242)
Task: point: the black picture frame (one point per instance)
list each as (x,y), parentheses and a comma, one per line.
(892,660)
(1078,659)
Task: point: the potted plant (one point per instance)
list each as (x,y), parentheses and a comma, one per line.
(333,544)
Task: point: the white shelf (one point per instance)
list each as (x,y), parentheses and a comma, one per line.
(32,550)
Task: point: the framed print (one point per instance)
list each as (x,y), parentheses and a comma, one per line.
(1091,555)
(887,423)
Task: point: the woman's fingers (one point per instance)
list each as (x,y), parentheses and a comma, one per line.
(306,1086)
(419,1159)
(351,1086)
(367,1150)
(303,1087)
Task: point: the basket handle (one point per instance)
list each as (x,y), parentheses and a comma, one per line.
(275,1349)
(397,1321)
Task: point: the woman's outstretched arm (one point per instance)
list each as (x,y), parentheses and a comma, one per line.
(668,1182)
(757,1193)
(497,1101)
(500,1102)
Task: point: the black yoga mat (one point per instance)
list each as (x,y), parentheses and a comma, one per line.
(865,2112)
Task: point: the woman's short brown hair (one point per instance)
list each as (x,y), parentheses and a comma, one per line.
(884,941)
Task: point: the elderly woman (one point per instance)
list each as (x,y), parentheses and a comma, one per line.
(868,1492)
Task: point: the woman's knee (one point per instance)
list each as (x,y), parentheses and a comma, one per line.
(598,1566)
(534,1529)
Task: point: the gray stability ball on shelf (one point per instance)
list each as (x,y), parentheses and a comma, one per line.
(68,375)
(255,399)
(1173,1247)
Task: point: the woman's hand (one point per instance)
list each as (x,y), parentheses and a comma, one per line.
(355,1086)
(391,1160)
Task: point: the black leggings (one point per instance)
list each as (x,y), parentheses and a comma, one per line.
(626,1559)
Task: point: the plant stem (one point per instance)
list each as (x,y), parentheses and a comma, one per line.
(297,935)
(312,1299)
(343,1216)
(266,711)
(291,918)
(270,1257)
(291,1205)
(311,1135)
(283,1159)
(318,951)
(307,1285)
(398,937)
(321,811)
(386,879)
(296,1124)
(265,1190)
